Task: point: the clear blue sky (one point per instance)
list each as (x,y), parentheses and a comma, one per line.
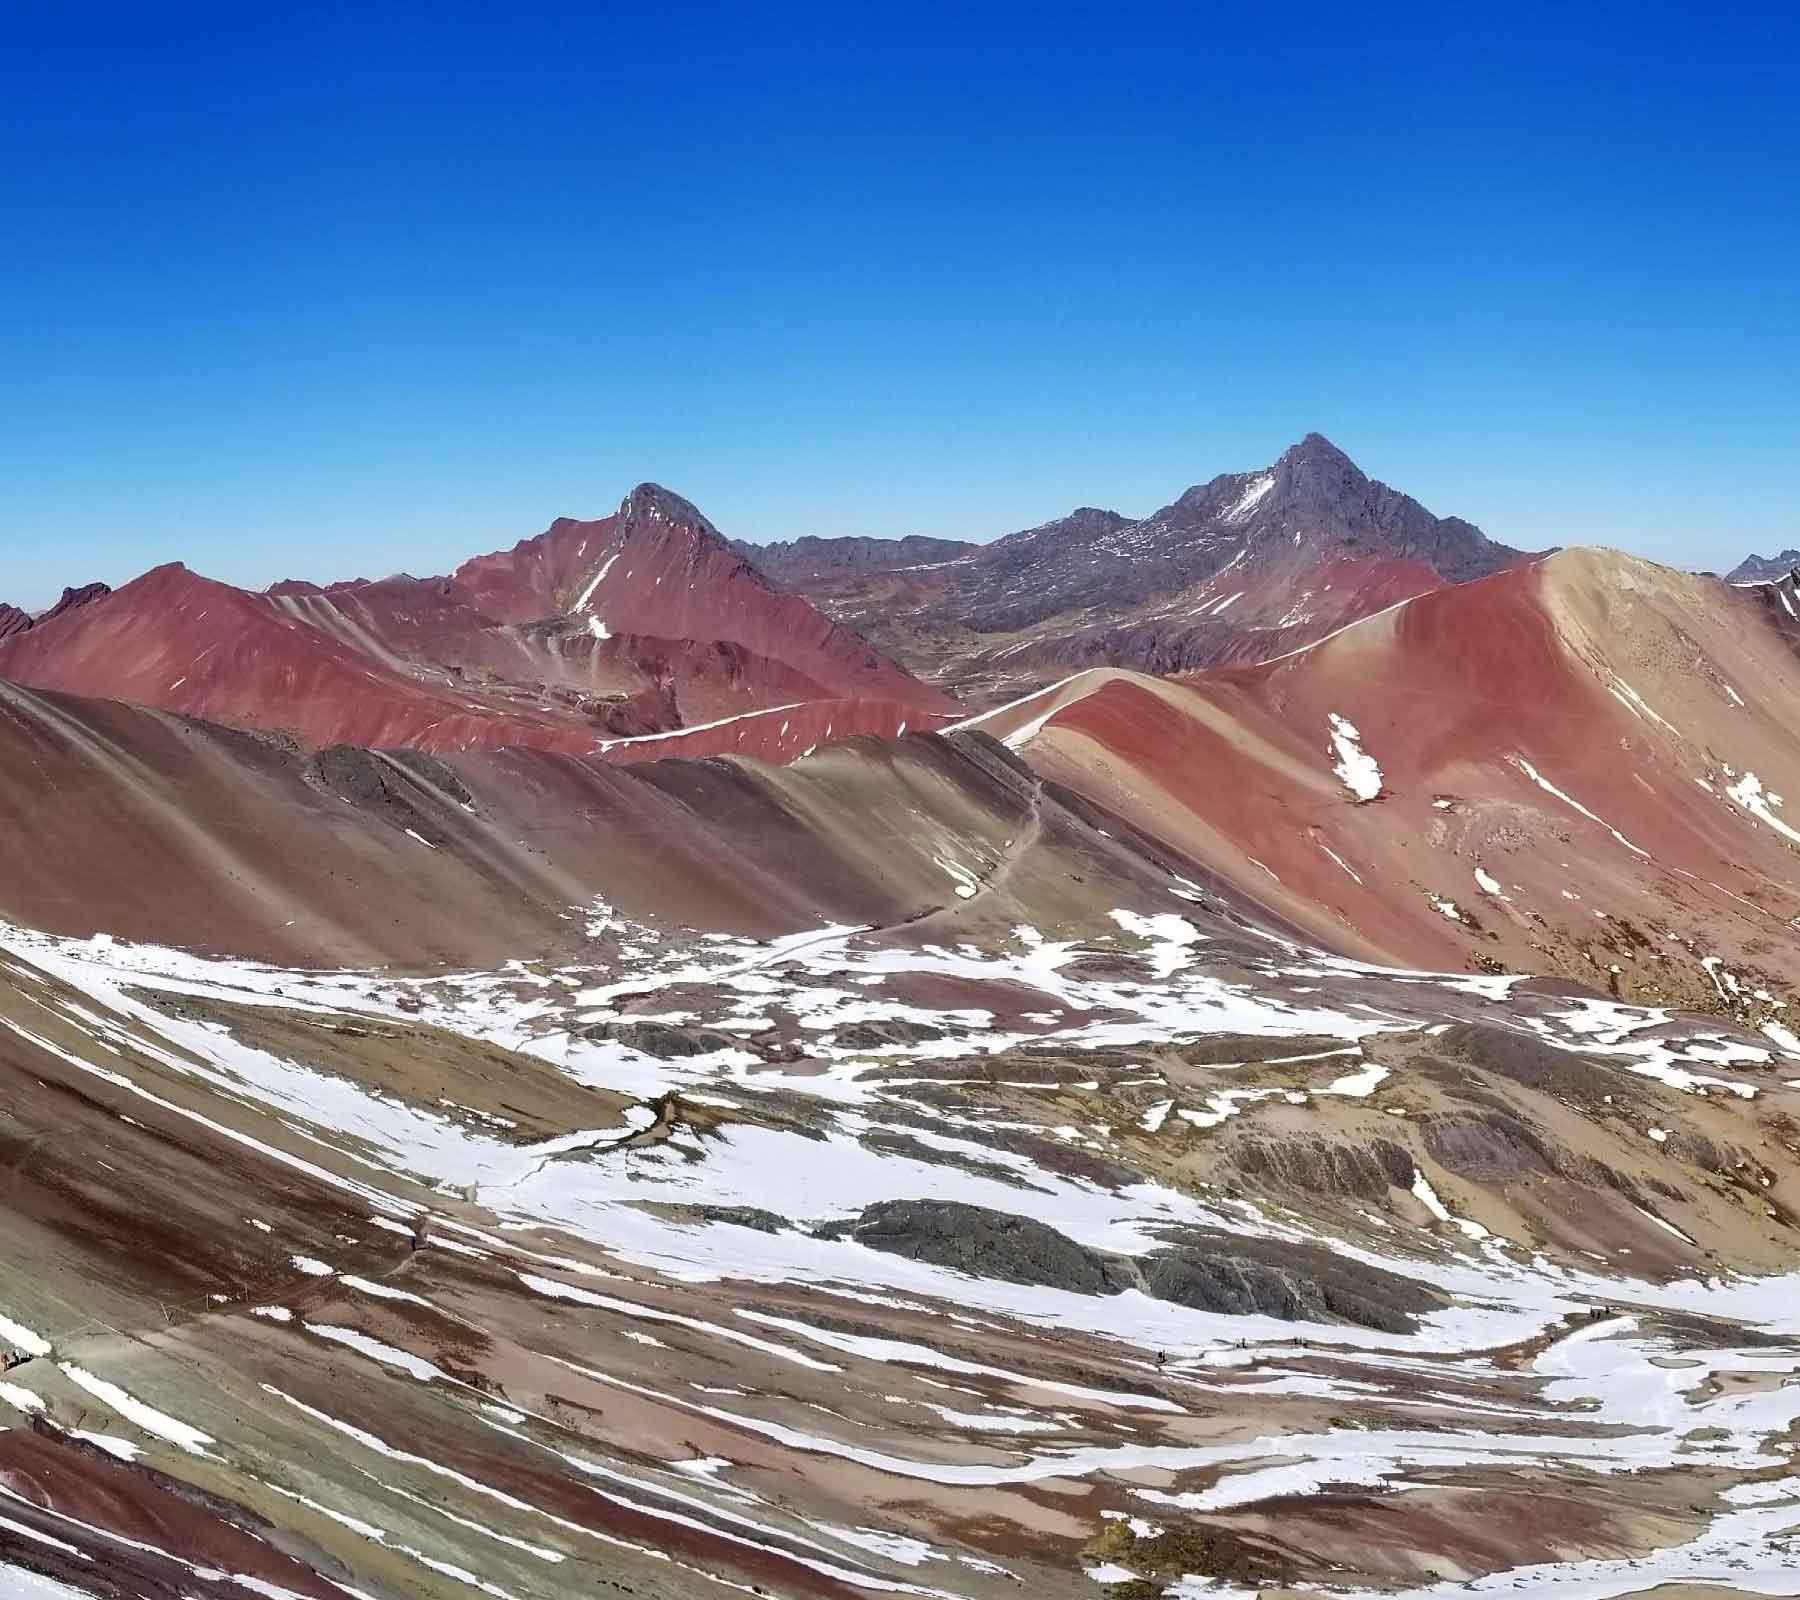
(344,289)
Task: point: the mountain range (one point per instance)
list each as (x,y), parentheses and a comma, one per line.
(1242,567)
(1764,569)
(1244,1051)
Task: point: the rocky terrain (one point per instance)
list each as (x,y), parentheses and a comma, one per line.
(1764,569)
(801,563)
(14,621)
(1242,567)
(497,1100)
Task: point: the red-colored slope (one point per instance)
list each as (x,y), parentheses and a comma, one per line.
(658,567)
(1565,755)
(180,642)
(639,623)
(155,827)
(781,733)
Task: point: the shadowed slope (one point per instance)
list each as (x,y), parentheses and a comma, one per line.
(159,828)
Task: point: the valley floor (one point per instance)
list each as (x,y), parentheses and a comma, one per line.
(1170,1259)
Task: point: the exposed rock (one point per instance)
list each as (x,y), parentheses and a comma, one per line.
(915,1149)
(1491,1148)
(1096,588)
(73,599)
(668,1041)
(1524,1059)
(386,777)
(1206,1272)
(894,1031)
(987,1244)
(1764,569)
(807,557)
(736,1216)
(1240,1276)
(1187,1553)
(14,621)
(1318,1167)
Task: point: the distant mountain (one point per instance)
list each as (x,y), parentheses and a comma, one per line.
(14,621)
(633,626)
(1242,567)
(810,557)
(1764,569)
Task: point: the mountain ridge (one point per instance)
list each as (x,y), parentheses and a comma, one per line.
(1307,543)
(590,633)
(1761,569)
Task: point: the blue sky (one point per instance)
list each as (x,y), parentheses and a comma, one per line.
(336,290)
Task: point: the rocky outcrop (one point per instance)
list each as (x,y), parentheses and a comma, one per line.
(405,788)
(1224,1274)
(1319,1168)
(1238,1276)
(985,1244)
(14,621)
(1526,1060)
(74,599)
(665,1040)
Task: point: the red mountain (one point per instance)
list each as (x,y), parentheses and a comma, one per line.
(1576,766)
(645,622)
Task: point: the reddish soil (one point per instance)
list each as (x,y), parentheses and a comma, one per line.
(640,622)
(1454,695)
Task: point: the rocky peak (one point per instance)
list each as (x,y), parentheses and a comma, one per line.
(1082,526)
(14,621)
(74,598)
(1764,569)
(1315,470)
(1093,520)
(651,502)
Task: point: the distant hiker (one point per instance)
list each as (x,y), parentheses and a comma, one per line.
(418,1234)
(15,1358)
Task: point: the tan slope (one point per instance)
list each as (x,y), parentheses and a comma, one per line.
(1575,766)
(149,826)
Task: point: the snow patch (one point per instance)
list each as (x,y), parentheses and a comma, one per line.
(1748,794)
(1355,768)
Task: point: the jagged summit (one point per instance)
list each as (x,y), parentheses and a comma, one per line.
(1246,564)
(14,621)
(1764,569)
(653,502)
